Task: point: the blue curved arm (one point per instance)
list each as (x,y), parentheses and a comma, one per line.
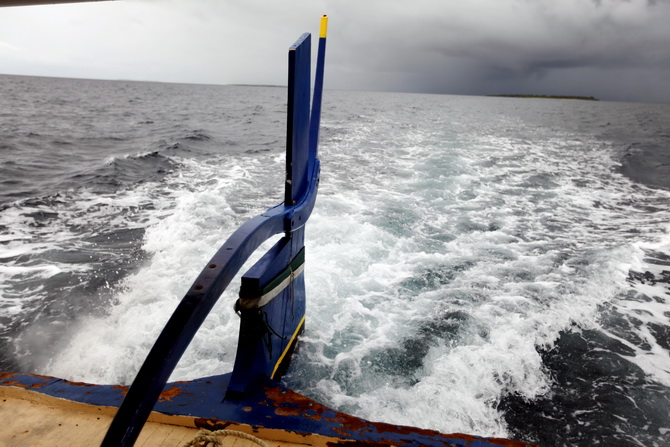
(194,308)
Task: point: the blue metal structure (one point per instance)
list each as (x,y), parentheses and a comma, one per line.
(272,295)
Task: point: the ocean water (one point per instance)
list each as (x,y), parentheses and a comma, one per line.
(494,266)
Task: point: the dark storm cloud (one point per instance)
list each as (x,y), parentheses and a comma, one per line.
(515,46)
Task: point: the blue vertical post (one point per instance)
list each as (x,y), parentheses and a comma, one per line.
(297,129)
(272,295)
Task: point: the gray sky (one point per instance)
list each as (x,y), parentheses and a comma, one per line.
(611,49)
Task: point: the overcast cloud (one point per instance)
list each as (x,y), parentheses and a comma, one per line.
(611,49)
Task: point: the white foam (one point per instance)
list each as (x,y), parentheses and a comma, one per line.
(647,312)
(356,305)
(111,349)
(537,241)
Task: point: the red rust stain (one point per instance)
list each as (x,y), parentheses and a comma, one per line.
(289,403)
(123,388)
(353,424)
(4,378)
(84,384)
(341,432)
(16,383)
(24,385)
(6,375)
(171,393)
(211,424)
(285,411)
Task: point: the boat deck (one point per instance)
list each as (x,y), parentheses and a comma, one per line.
(47,411)
(31,419)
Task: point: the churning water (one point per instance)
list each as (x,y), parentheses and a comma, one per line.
(495,266)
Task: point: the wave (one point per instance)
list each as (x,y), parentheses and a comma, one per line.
(648,164)
(125,171)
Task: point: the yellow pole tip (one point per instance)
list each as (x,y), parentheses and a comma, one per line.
(324,26)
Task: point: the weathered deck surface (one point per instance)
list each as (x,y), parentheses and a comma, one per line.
(46,411)
(34,420)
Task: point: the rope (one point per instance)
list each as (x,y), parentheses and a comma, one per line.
(206,438)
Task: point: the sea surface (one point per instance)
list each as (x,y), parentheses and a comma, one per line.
(493,266)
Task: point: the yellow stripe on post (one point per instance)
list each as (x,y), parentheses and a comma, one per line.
(301,325)
(324,26)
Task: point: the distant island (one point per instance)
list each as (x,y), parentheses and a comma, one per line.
(584,98)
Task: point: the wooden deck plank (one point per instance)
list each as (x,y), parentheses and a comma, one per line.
(12,421)
(178,436)
(53,422)
(148,436)
(31,424)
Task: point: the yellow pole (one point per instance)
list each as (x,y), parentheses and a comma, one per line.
(324,26)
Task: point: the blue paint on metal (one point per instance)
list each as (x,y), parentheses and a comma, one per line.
(297,135)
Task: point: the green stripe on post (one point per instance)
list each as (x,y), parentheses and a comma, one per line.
(277,284)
